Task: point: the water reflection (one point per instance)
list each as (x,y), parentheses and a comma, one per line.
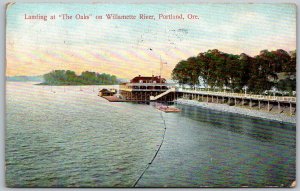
(209,148)
(257,128)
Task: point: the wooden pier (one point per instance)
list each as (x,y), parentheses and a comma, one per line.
(278,104)
(147,89)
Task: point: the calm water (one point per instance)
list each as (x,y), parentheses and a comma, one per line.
(72,138)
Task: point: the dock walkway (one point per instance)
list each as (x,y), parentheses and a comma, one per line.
(285,99)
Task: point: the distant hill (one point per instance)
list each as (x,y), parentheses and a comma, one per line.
(25,78)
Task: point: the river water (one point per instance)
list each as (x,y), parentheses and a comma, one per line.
(70,137)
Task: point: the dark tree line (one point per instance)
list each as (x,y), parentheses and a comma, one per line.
(219,70)
(68,77)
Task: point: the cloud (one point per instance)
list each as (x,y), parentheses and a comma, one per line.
(123,47)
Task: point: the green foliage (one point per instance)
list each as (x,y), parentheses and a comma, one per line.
(68,77)
(287,84)
(218,69)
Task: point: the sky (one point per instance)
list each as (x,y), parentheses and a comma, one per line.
(127,48)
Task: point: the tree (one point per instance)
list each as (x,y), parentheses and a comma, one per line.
(62,77)
(219,69)
(181,72)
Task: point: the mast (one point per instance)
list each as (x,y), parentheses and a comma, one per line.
(161,68)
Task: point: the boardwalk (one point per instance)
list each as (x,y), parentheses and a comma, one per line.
(285,99)
(278,103)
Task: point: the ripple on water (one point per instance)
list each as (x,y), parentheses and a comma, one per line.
(76,139)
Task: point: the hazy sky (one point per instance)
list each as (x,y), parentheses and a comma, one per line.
(127,48)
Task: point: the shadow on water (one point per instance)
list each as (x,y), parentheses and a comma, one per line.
(257,128)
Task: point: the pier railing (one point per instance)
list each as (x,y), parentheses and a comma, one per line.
(144,87)
(152,98)
(151,84)
(143,90)
(239,95)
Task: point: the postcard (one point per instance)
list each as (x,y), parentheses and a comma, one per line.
(150,95)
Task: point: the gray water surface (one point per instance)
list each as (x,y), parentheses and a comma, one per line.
(64,137)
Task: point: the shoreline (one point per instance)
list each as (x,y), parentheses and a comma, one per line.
(239,110)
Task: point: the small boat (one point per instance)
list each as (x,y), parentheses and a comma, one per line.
(168,109)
